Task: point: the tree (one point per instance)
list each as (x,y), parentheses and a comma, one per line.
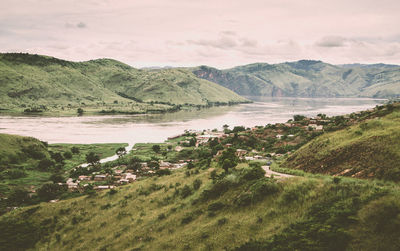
(18,196)
(92,158)
(228,159)
(134,164)
(68,155)
(120,152)
(298,117)
(57,178)
(50,191)
(45,164)
(80,111)
(156,148)
(58,157)
(75,150)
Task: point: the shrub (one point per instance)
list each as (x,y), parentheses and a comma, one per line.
(186,191)
(196,184)
(253,173)
(216,206)
(188,218)
(50,191)
(75,150)
(15,174)
(68,155)
(263,188)
(222,221)
(161,216)
(45,164)
(162,172)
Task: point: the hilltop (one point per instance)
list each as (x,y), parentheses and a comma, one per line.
(35,83)
(307,78)
(369,149)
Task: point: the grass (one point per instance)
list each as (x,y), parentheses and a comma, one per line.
(56,87)
(103,150)
(151,214)
(24,153)
(366,150)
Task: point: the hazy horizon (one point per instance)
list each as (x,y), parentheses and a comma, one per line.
(221,34)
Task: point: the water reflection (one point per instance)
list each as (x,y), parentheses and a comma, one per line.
(157,127)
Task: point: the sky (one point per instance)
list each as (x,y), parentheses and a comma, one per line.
(218,33)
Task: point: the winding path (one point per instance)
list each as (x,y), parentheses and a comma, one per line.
(269,173)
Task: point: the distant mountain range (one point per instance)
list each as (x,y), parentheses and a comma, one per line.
(28,80)
(307,78)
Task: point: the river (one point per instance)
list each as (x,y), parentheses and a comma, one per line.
(156,128)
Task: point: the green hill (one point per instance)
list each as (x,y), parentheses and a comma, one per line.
(370,149)
(39,83)
(307,78)
(239,211)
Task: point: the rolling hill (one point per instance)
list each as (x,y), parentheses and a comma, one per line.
(239,211)
(307,78)
(369,149)
(33,82)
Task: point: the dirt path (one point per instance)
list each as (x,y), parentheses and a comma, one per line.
(269,172)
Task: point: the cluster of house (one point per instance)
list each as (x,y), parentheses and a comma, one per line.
(118,178)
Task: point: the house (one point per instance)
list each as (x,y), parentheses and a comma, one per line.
(165,165)
(118,171)
(84,177)
(178,148)
(100,177)
(240,152)
(104,187)
(279,136)
(228,145)
(258,157)
(249,158)
(128,176)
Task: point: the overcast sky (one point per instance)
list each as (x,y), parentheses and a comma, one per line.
(219,33)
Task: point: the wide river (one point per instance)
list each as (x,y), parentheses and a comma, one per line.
(156,128)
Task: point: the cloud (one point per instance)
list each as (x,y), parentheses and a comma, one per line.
(80,25)
(248,42)
(228,33)
(223,43)
(332,41)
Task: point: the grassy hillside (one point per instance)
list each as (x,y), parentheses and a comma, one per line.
(27,163)
(307,78)
(239,211)
(39,83)
(370,149)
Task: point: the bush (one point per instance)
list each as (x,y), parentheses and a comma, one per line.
(75,150)
(50,191)
(256,172)
(186,191)
(162,172)
(263,188)
(161,216)
(45,164)
(196,184)
(68,155)
(216,206)
(15,174)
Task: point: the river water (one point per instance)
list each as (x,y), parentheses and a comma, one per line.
(156,128)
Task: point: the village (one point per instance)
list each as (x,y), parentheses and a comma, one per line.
(289,136)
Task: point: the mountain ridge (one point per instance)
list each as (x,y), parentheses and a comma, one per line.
(307,78)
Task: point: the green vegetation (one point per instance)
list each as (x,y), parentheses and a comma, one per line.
(307,78)
(39,84)
(26,164)
(369,149)
(237,210)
